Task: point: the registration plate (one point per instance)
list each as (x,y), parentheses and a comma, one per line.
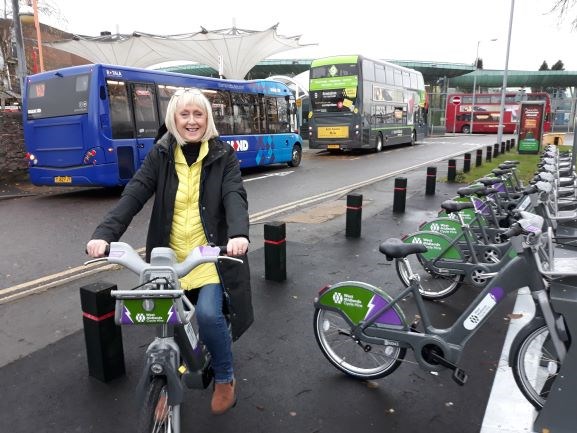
(62,179)
(333,146)
(333,132)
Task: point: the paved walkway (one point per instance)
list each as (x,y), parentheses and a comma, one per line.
(285,384)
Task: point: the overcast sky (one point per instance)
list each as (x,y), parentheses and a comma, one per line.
(423,30)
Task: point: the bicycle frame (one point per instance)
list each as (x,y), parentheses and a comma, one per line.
(445,255)
(386,325)
(176,355)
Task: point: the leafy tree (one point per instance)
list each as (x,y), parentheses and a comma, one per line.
(558,66)
(544,66)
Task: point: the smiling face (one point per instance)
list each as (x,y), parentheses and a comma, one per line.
(191,122)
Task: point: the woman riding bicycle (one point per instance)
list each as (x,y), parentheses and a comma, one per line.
(199,199)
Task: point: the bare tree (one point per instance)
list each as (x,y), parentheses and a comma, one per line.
(562,7)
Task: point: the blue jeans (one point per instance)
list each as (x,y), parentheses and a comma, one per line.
(214,333)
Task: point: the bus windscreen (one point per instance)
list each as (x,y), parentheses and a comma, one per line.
(58,96)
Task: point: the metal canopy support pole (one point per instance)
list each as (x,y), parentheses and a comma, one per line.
(505,72)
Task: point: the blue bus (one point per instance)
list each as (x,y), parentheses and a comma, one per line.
(92,125)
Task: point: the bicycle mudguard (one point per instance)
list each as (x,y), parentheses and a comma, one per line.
(438,245)
(535,323)
(175,388)
(446,226)
(360,302)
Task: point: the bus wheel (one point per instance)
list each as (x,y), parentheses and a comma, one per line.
(297,155)
(379,143)
(414,138)
(466,129)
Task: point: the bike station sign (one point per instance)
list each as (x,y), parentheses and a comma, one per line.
(530,131)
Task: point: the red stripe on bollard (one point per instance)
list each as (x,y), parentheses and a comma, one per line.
(354,215)
(98,318)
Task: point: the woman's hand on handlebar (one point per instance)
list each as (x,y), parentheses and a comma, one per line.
(237,246)
(97,248)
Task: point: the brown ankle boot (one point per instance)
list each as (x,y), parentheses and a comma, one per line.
(223,398)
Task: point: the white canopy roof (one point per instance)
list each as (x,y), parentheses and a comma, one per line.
(240,50)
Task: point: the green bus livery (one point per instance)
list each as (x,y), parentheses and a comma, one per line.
(359,103)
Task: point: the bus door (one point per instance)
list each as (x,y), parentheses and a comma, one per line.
(145,117)
(122,127)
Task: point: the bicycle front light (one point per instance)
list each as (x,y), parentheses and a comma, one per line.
(156,368)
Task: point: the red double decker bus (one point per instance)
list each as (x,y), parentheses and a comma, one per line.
(461,116)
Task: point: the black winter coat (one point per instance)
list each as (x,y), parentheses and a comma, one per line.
(223,211)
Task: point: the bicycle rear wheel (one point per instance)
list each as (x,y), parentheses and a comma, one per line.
(369,361)
(535,366)
(433,285)
(156,415)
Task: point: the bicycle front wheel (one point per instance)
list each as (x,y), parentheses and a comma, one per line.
(535,366)
(433,285)
(156,415)
(357,359)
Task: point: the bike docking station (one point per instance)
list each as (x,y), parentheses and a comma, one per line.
(558,415)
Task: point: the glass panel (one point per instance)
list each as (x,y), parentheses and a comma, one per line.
(58,96)
(120,118)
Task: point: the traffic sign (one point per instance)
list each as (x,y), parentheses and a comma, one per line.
(456,100)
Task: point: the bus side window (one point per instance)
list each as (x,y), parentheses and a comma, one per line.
(272,115)
(144,99)
(221,112)
(284,119)
(245,113)
(120,119)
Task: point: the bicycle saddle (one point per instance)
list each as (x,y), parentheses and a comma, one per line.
(456,206)
(470,190)
(489,180)
(394,248)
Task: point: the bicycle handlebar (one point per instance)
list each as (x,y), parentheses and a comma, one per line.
(123,254)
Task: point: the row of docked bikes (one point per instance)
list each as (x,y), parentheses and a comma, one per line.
(497,236)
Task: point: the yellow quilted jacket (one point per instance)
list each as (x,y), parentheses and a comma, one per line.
(187,232)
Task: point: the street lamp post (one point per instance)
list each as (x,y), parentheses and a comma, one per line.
(20,54)
(505,73)
(475,83)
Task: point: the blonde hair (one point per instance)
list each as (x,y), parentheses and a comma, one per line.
(192,97)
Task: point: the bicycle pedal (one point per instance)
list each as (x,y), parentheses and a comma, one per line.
(460,376)
(415,325)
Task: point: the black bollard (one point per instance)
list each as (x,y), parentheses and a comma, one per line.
(489,153)
(354,215)
(502,147)
(452,170)
(512,143)
(103,337)
(479,158)
(495,150)
(400,195)
(507,145)
(431,181)
(275,251)
(467,163)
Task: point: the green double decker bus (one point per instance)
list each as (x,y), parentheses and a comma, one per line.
(359,103)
